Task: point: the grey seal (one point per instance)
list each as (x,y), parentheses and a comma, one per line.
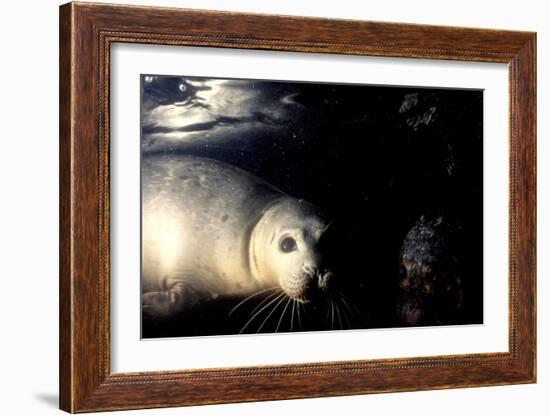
(213,228)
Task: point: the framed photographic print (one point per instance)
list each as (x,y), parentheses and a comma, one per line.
(261,207)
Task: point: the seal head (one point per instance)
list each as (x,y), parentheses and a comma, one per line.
(284,249)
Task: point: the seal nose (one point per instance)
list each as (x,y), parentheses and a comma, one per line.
(318,278)
(310,271)
(312,275)
(324,278)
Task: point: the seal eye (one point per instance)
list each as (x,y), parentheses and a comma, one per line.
(288,244)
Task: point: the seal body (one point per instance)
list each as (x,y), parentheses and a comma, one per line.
(214,229)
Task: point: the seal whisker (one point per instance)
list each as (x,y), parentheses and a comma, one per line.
(351,312)
(345,313)
(269,315)
(298,307)
(292,315)
(338,313)
(263,301)
(306,315)
(349,303)
(262,309)
(331,313)
(249,298)
(360,314)
(282,315)
(328,225)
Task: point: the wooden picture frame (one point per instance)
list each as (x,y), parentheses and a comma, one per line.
(86,33)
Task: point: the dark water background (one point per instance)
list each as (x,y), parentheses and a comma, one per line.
(374,158)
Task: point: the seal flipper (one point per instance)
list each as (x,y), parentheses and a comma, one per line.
(178,293)
(156,304)
(174,296)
